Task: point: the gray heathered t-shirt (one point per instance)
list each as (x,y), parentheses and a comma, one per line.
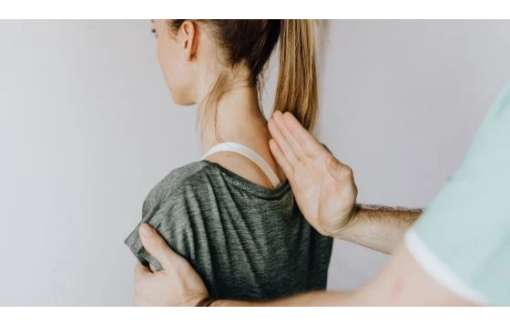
(245,241)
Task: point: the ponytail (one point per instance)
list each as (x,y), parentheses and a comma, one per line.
(296,91)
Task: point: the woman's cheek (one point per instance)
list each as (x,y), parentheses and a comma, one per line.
(175,75)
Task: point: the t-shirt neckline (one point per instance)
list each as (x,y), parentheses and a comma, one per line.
(248,185)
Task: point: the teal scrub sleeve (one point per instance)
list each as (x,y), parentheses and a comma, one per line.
(463,238)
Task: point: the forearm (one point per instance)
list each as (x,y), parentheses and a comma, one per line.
(402,282)
(378,227)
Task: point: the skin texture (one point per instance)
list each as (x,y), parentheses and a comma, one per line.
(378,227)
(402,282)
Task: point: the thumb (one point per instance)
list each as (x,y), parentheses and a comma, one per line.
(158,247)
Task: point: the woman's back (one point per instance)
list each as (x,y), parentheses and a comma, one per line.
(245,240)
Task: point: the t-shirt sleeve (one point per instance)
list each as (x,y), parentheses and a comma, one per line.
(463,238)
(171,220)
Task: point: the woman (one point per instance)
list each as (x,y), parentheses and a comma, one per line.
(231,214)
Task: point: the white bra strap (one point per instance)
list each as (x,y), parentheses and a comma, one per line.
(248,153)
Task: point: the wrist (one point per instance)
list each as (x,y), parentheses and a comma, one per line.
(340,230)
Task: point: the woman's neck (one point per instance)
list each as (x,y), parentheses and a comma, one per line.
(237,117)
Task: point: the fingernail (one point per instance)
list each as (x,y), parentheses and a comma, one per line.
(145,230)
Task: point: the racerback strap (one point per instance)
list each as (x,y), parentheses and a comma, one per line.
(248,153)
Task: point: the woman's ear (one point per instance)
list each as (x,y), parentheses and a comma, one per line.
(189,40)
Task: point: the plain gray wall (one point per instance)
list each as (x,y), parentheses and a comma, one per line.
(87,127)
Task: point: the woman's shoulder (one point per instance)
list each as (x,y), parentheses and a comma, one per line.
(169,201)
(172,185)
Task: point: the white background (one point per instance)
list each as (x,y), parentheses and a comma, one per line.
(87,127)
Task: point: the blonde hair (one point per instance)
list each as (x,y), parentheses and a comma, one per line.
(296,91)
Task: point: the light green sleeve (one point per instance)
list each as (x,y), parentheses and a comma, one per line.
(463,237)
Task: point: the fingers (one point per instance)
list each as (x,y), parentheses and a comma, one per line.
(307,143)
(285,147)
(158,248)
(281,159)
(289,137)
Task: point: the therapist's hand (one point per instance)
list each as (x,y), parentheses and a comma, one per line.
(324,187)
(176,285)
